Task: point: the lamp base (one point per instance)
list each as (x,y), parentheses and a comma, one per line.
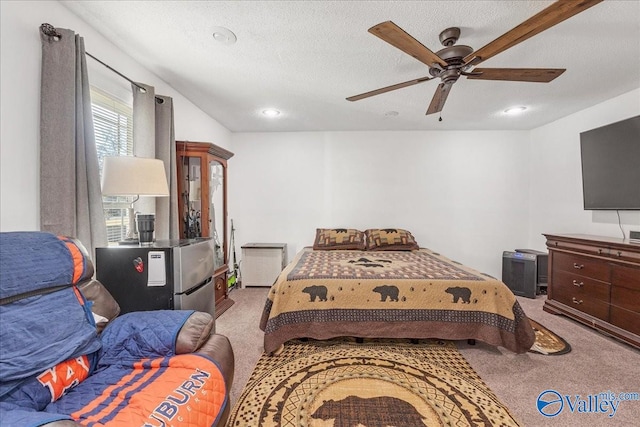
(129,242)
(132,236)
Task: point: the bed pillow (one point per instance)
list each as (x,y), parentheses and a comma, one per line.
(390,239)
(328,239)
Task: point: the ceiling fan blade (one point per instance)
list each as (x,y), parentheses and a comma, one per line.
(540,75)
(388,88)
(439,98)
(396,36)
(547,18)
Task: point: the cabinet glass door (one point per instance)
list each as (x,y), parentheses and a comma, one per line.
(192,215)
(216,208)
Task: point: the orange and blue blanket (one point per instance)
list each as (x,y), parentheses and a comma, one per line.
(54,366)
(127,382)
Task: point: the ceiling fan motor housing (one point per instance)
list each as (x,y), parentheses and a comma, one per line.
(453,56)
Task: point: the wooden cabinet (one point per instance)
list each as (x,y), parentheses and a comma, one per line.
(202,202)
(596,281)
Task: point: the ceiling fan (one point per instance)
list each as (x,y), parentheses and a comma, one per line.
(454,61)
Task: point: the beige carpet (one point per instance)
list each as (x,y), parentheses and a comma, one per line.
(377,383)
(596,363)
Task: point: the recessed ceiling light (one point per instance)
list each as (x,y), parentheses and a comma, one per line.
(271,112)
(514,110)
(224,35)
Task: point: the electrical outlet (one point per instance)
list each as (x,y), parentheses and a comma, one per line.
(634,236)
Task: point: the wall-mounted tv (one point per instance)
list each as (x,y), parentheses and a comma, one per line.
(611,166)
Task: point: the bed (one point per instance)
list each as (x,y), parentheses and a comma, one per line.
(372,290)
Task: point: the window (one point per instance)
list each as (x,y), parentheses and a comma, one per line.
(113,126)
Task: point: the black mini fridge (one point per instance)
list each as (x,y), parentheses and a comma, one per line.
(165,275)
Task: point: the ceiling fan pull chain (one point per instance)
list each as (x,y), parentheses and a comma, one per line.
(440,119)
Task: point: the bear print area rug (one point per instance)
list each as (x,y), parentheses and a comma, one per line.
(547,342)
(377,383)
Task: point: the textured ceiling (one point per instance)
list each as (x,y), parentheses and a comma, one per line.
(305,57)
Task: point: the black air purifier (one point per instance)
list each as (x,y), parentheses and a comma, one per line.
(542,265)
(519,273)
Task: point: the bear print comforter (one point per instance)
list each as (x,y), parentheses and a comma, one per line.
(391,294)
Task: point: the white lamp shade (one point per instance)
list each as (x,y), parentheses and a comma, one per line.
(134,176)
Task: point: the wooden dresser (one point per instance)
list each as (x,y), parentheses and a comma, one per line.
(596,280)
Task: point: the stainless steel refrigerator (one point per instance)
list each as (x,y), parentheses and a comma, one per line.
(169,274)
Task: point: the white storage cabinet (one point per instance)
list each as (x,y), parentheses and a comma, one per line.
(262,263)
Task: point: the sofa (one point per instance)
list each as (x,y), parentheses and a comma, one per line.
(67,357)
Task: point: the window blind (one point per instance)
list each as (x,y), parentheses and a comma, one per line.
(113,128)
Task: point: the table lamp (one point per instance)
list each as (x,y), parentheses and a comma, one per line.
(135,176)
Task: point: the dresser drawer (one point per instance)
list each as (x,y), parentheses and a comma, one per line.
(628,299)
(579,286)
(583,300)
(626,277)
(625,319)
(583,266)
(578,247)
(624,255)
(569,282)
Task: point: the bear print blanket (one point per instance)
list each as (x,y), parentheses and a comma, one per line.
(391,294)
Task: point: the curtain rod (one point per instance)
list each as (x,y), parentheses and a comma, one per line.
(142,89)
(49,30)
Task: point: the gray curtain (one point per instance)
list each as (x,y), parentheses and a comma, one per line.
(167,207)
(144,137)
(153,136)
(70,195)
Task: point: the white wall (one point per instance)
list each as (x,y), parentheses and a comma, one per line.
(20,108)
(464,194)
(556,177)
(470,195)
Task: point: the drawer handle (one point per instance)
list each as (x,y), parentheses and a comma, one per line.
(576,301)
(578,266)
(578,284)
(219,286)
(599,251)
(619,253)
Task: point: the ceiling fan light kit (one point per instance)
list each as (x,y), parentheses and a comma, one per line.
(453,61)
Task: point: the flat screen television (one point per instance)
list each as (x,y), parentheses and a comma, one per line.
(611,166)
